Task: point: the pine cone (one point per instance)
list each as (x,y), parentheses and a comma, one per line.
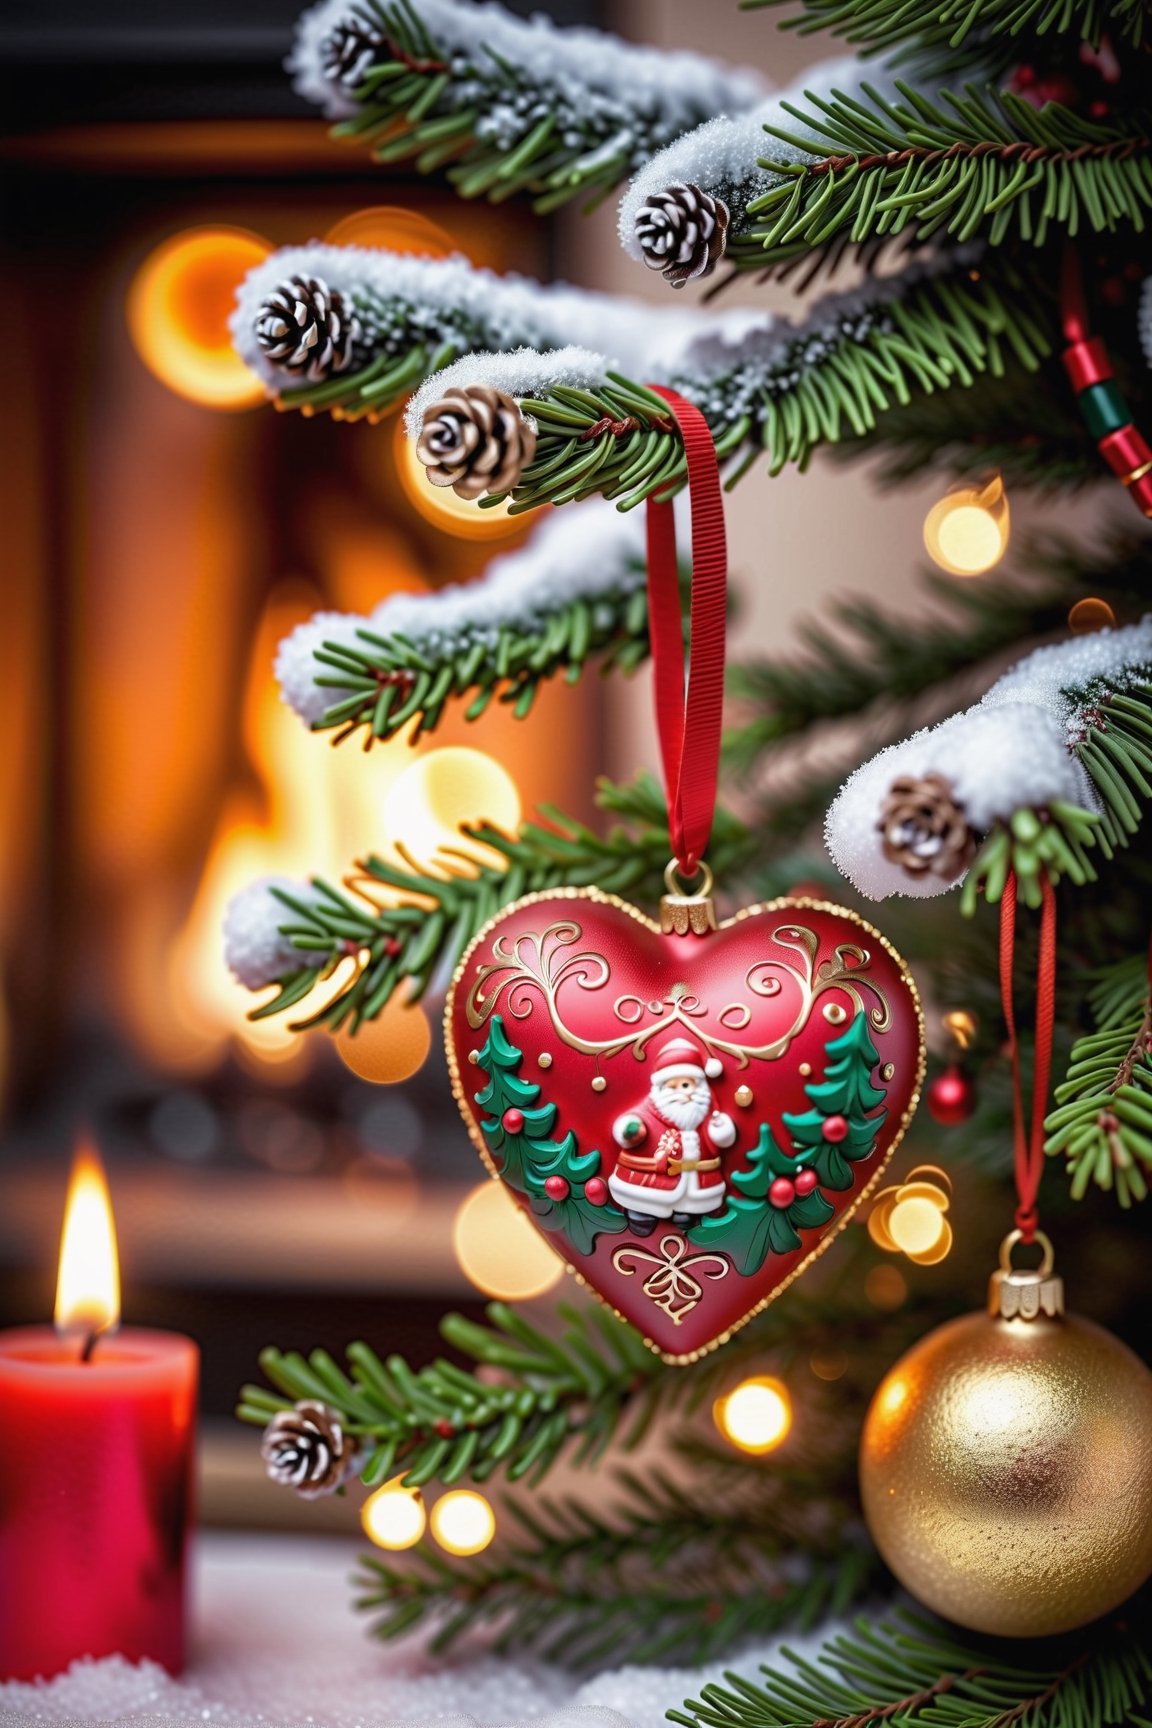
(308,328)
(475,440)
(348,50)
(306,1448)
(682,232)
(925,828)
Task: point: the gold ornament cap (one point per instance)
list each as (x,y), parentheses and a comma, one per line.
(1020,1293)
(687,914)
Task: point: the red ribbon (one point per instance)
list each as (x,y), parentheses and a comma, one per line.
(689,711)
(1029,1146)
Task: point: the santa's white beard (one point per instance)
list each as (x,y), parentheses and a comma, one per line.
(682,1112)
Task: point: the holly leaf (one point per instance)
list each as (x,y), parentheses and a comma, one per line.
(810,1211)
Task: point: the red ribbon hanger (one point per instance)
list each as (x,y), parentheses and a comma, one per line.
(689,710)
(1029,1141)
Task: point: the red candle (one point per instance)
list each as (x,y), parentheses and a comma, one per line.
(96,1461)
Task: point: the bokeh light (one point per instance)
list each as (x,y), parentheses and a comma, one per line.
(463,1522)
(966,532)
(178,307)
(909,1219)
(757,1416)
(463,519)
(1089,615)
(426,804)
(499,1250)
(394,1517)
(389,1048)
(393,229)
(886,1288)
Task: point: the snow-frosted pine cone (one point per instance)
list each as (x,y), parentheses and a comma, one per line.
(925,828)
(682,231)
(349,49)
(475,440)
(308,328)
(306,1448)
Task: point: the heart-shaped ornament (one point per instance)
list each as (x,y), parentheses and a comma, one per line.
(687,1118)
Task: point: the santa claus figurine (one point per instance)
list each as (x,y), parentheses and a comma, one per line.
(668,1165)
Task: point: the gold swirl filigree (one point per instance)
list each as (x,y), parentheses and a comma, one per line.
(672,1284)
(534,966)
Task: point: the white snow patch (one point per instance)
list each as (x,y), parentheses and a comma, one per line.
(1013,750)
(585,553)
(580,63)
(254,950)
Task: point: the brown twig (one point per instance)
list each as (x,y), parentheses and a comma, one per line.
(1117,150)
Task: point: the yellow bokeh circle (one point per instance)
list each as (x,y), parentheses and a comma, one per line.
(463,1522)
(499,1250)
(426,804)
(966,532)
(394,1517)
(756,1416)
(178,309)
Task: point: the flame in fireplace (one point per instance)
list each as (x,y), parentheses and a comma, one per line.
(303,809)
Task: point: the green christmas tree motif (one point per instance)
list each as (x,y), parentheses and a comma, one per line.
(779,1195)
(563,1185)
(842,1126)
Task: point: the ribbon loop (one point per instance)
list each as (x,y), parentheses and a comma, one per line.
(689,710)
(1028,1144)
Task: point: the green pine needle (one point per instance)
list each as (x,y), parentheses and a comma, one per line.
(580,1585)
(910,1670)
(440,910)
(983,163)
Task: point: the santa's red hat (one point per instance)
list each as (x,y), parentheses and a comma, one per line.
(679,1057)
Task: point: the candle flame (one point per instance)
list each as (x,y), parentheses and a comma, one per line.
(88,1286)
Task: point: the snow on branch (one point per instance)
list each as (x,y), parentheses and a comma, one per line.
(1033,744)
(764,383)
(412,316)
(577,581)
(511,103)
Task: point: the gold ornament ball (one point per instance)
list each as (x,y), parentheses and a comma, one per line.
(1006,1472)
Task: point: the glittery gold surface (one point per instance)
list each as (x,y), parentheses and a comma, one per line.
(1006,1471)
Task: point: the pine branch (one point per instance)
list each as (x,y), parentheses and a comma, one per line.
(484,98)
(874,658)
(536,1397)
(887,345)
(1102,1125)
(1056,842)
(1034,437)
(384,681)
(883,25)
(430,917)
(581,1586)
(910,1670)
(981,163)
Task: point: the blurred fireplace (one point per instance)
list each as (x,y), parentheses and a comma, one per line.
(154,553)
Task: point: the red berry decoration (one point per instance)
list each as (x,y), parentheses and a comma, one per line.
(557,1187)
(596,1191)
(806,1180)
(512,1122)
(951,1098)
(782,1192)
(835,1129)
